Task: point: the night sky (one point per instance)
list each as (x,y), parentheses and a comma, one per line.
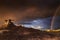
(28,10)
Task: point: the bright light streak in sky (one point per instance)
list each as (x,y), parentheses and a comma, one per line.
(37,27)
(37,24)
(43,23)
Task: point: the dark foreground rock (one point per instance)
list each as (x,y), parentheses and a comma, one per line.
(22,33)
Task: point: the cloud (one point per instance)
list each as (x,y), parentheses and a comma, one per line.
(27,9)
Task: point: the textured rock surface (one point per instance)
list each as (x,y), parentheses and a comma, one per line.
(21,33)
